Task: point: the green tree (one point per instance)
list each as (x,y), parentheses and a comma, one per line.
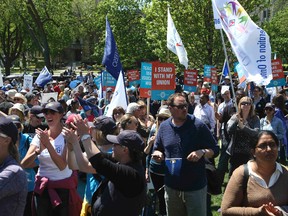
(277,31)
(11,38)
(130,35)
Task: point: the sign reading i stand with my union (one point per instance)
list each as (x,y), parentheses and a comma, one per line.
(146,76)
(163,80)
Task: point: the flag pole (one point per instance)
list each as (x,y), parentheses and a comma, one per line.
(226,57)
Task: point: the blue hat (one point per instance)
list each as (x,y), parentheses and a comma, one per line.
(8,128)
(128,138)
(55,106)
(105,124)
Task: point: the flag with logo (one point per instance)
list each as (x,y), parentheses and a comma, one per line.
(44,77)
(174,42)
(111,58)
(119,97)
(250,43)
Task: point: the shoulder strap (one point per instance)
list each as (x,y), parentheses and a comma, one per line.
(245,178)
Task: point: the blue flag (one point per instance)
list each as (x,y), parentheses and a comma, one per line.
(111,58)
(225,71)
(44,77)
(86,105)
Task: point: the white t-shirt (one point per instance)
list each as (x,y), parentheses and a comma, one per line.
(47,167)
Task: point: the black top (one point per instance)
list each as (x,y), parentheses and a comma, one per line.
(125,187)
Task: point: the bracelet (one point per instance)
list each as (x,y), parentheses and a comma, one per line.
(204,152)
(85,136)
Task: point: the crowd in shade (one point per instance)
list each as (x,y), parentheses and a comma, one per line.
(49,146)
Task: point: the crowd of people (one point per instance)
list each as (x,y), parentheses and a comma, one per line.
(46,147)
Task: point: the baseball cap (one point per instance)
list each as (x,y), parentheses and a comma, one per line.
(128,138)
(270,105)
(37,110)
(29,96)
(55,106)
(8,128)
(105,124)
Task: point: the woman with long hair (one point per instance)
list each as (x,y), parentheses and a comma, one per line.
(56,184)
(13,181)
(154,168)
(243,127)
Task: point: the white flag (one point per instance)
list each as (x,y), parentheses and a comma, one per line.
(174,42)
(119,97)
(249,42)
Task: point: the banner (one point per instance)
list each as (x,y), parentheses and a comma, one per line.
(214,80)
(46,96)
(119,97)
(28,83)
(133,77)
(163,80)
(207,73)
(190,80)
(278,74)
(146,78)
(108,80)
(174,42)
(217,22)
(111,58)
(249,42)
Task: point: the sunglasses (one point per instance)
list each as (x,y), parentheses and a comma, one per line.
(180,106)
(162,118)
(46,112)
(246,103)
(269,109)
(17,99)
(118,113)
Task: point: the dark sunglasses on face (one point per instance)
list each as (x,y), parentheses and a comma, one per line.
(46,112)
(246,103)
(180,106)
(269,109)
(17,99)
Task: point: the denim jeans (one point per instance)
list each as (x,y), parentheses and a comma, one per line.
(185,203)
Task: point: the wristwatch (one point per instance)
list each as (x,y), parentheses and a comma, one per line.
(204,152)
(85,136)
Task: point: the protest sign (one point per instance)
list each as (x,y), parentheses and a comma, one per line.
(190,80)
(163,80)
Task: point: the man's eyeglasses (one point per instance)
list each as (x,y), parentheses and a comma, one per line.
(246,103)
(180,106)
(263,146)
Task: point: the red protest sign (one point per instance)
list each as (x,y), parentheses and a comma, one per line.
(144,93)
(214,78)
(277,69)
(190,77)
(163,76)
(133,75)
